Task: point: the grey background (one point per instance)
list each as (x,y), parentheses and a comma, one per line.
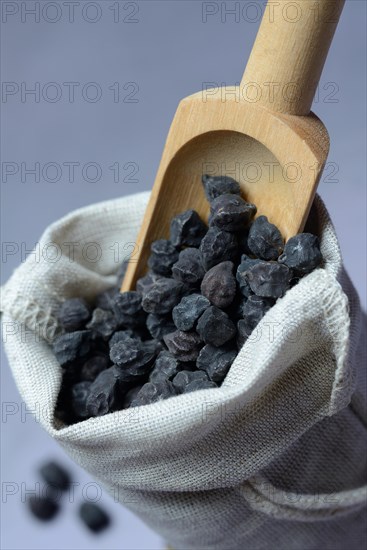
(168,54)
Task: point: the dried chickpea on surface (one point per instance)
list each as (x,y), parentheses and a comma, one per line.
(46,505)
(206,290)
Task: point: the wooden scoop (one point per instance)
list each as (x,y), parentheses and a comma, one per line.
(262,132)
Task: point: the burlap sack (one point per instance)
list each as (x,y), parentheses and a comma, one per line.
(273,458)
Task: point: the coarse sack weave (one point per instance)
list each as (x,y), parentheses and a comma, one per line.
(273,458)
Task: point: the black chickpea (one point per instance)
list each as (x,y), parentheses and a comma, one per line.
(206,290)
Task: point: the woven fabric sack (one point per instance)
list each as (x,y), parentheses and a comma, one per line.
(275,457)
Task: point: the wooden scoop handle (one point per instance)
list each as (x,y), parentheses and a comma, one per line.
(289,53)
